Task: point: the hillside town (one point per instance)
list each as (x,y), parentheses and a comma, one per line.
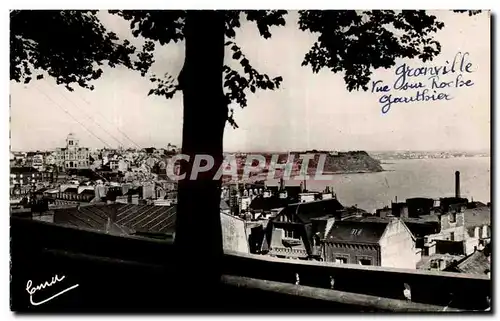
(127,192)
(281,161)
(392,155)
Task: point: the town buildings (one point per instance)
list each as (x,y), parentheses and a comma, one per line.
(297,229)
(327,231)
(446,229)
(281,221)
(25,179)
(18,159)
(73,156)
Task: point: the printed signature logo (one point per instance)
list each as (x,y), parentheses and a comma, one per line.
(47,284)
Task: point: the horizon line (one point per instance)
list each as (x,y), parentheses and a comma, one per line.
(483,150)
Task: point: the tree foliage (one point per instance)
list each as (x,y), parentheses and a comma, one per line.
(358,42)
(72,46)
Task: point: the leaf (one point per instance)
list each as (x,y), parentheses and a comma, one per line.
(39,77)
(237,55)
(230,33)
(151,91)
(252,88)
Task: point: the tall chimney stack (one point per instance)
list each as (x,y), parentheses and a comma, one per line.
(457,184)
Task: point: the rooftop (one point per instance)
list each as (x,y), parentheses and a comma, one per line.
(224,206)
(425,262)
(476,263)
(309,210)
(419,226)
(357,231)
(141,218)
(268,203)
(22,170)
(71,190)
(478,216)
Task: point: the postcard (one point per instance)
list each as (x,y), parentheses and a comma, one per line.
(196,161)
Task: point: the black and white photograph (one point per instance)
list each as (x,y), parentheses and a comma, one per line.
(204,161)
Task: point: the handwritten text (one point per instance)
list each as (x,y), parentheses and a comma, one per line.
(424,84)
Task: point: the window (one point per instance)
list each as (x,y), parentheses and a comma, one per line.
(289,234)
(453,217)
(365,262)
(356,231)
(452,236)
(70,143)
(476,231)
(485,231)
(341,260)
(480,245)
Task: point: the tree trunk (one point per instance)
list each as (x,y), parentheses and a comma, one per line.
(198,239)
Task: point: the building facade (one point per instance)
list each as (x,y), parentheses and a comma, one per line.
(387,243)
(37,162)
(72,156)
(462,228)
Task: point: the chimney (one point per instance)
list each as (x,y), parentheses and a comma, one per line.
(457,184)
(358,212)
(442,264)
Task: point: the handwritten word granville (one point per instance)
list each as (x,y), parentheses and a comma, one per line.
(459,64)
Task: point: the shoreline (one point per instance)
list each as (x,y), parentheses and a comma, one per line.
(299,178)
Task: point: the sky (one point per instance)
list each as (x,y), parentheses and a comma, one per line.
(309,111)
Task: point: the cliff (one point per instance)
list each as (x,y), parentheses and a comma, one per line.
(343,162)
(335,163)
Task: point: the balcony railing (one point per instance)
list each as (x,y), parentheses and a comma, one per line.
(288,251)
(124,274)
(462,291)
